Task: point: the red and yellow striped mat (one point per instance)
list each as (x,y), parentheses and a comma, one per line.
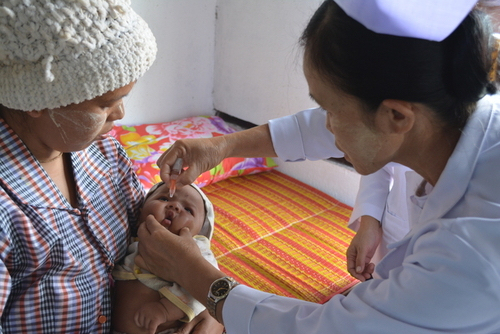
(277,234)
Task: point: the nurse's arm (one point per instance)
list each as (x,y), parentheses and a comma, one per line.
(202,154)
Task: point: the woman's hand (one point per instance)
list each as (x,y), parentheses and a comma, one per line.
(201,324)
(362,248)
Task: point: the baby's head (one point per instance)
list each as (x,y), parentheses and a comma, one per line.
(189,207)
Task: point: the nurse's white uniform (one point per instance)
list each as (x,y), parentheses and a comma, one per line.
(444,276)
(382,195)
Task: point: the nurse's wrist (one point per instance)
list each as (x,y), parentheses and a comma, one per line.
(219,310)
(198,277)
(218,292)
(368,221)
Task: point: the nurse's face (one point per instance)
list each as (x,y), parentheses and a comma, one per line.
(363,145)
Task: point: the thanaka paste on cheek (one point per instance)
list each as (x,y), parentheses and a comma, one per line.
(85,123)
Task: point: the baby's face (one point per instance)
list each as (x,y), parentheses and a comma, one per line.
(184,209)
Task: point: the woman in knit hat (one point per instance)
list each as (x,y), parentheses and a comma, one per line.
(68,194)
(411,82)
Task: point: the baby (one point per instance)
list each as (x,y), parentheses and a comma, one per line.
(143,302)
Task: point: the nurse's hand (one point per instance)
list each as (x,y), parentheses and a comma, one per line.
(198,156)
(362,248)
(166,254)
(202,154)
(175,258)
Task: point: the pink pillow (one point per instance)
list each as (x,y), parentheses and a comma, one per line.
(145,143)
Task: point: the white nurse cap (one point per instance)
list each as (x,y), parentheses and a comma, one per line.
(489,3)
(425,19)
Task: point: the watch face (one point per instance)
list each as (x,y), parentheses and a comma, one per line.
(220,288)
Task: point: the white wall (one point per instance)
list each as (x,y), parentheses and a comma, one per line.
(258,62)
(258,76)
(180,82)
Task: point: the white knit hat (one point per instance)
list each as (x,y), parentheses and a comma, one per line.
(207,229)
(425,19)
(56,53)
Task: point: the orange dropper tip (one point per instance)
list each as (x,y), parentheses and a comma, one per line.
(176,171)
(172,187)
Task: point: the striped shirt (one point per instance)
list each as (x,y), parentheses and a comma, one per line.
(56,260)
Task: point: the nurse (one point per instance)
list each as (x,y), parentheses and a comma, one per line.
(405,82)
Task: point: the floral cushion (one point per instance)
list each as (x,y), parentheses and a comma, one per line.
(145,143)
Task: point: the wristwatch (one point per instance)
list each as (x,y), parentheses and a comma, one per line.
(219,290)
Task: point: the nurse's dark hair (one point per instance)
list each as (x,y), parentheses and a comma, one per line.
(448,76)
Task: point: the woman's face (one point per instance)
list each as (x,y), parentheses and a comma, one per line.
(363,146)
(75,127)
(184,209)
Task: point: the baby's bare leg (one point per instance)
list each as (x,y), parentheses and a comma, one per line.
(130,296)
(158,315)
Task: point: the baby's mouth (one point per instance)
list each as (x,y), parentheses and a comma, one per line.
(166,223)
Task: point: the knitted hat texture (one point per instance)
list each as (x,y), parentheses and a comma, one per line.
(59,52)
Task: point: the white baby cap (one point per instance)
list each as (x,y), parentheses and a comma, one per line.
(425,19)
(58,52)
(208,225)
